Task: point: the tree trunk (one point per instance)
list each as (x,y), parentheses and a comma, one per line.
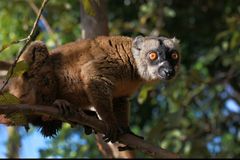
(13,143)
(93,26)
(97,24)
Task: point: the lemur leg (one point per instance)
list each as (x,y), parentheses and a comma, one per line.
(99,94)
(121,109)
(121,112)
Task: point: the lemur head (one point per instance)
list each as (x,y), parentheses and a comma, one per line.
(157,58)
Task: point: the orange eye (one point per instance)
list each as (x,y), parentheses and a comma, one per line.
(174,55)
(153,56)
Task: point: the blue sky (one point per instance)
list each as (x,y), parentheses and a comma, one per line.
(30,143)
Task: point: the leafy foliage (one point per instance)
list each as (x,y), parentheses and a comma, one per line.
(17,118)
(19,69)
(88,7)
(7,98)
(197,113)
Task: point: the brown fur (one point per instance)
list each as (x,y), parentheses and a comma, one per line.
(106,60)
(98,73)
(38,85)
(102,73)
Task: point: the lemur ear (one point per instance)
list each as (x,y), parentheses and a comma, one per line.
(176,41)
(137,42)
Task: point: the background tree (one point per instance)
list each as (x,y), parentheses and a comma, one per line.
(195,115)
(14,143)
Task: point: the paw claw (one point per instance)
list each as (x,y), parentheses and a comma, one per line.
(124,148)
(64,107)
(111,135)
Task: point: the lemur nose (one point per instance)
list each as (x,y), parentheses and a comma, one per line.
(167,72)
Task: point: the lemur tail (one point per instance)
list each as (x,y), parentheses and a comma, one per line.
(4,65)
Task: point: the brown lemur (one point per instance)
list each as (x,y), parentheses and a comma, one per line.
(100,73)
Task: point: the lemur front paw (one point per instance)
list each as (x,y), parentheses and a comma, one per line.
(113,132)
(125,148)
(64,107)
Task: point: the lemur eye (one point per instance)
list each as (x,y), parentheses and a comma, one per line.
(153,56)
(174,55)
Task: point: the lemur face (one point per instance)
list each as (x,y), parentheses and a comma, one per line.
(156,57)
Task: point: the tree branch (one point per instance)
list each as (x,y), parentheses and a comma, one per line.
(4,65)
(28,41)
(81,118)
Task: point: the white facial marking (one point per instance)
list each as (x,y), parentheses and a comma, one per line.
(171,43)
(162,63)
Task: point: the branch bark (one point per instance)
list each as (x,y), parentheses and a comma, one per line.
(81,118)
(4,65)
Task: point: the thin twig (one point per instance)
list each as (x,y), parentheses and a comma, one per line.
(43,19)
(28,41)
(36,10)
(12,43)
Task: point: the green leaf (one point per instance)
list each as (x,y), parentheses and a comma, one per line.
(18,118)
(4,46)
(7,98)
(235,40)
(19,69)
(144,93)
(87,6)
